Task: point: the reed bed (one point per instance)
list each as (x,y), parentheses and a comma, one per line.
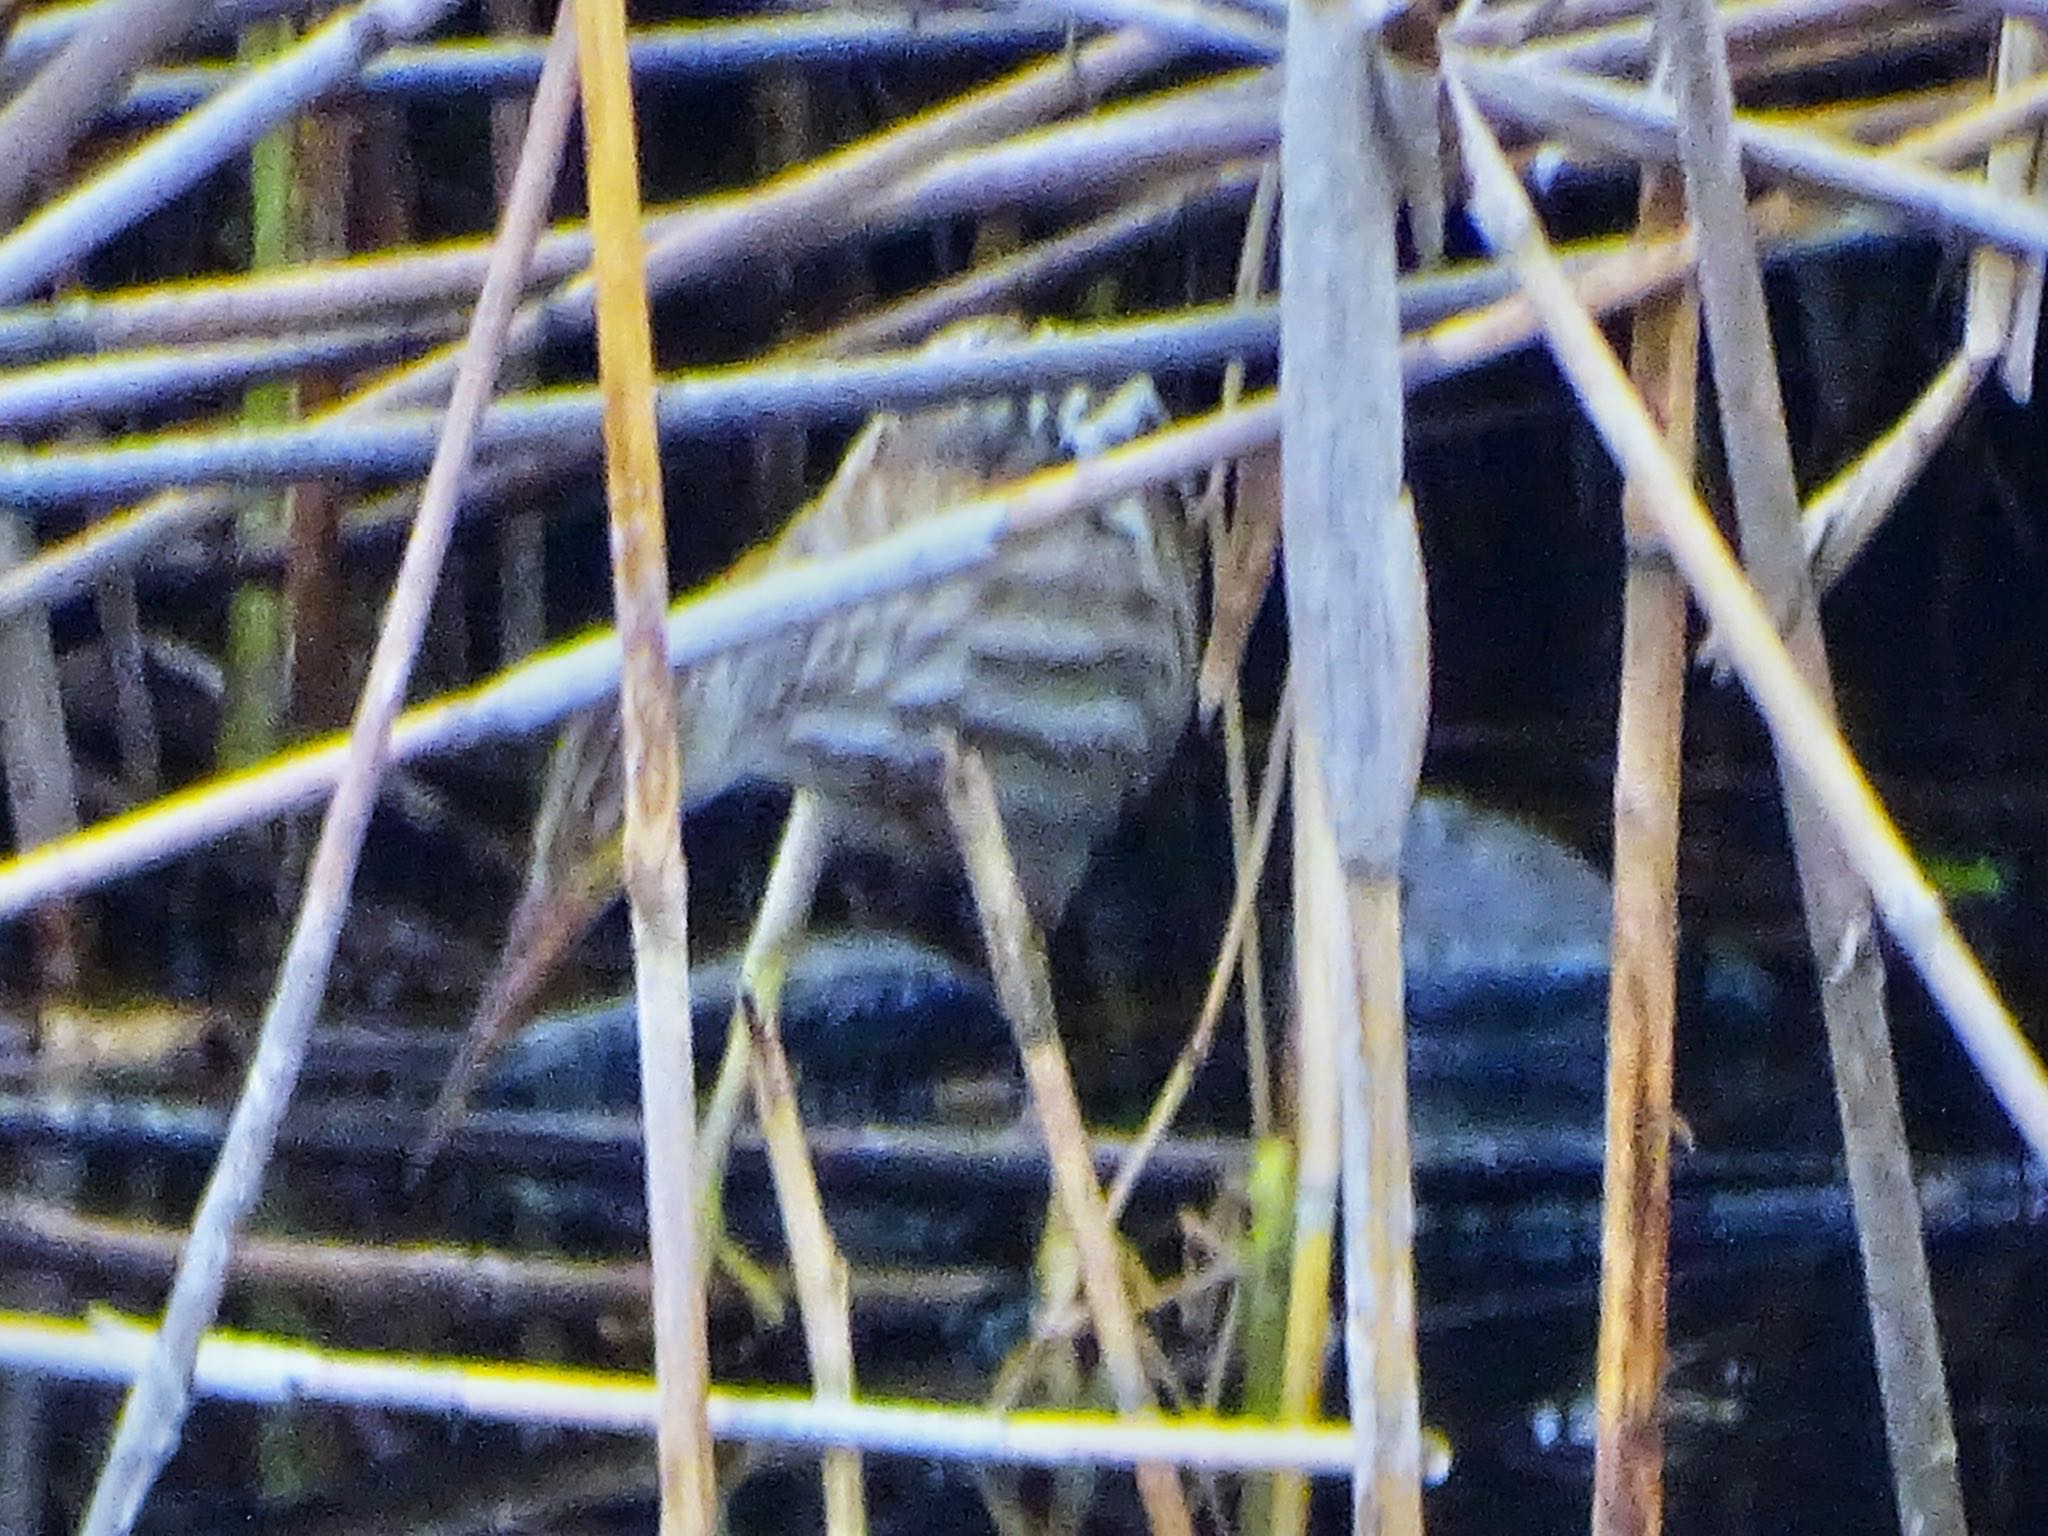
(285,286)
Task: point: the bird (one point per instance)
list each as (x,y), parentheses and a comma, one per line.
(1068,661)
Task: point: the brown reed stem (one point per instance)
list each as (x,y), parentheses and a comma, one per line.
(1642,952)
(1024,984)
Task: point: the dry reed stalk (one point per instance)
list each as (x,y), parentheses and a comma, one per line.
(2001,315)
(1057,1302)
(1520,22)
(1237,929)
(1642,952)
(1884,119)
(252,724)
(35,756)
(1644,126)
(1839,920)
(148,1428)
(40,125)
(522,564)
(988,288)
(662,54)
(1911,907)
(1803,730)
(1756,30)
(479,1282)
(655,879)
(778,925)
(795,212)
(2023,48)
(129,536)
(1023,982)
(1844,515)
(120,619)
(252,1368)
(1358,622)
(754,1051)
(48,397)
(823,1297)
(170,162)
(581,671)
(577,674)
(42,801)
(1379,1223)
(1279,1505)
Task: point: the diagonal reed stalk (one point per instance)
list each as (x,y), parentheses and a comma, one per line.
(148,1428)
(1839,921)
(1016,953)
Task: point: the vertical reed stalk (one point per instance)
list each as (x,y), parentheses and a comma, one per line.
(1357,610)
(1642,953)
(655,879)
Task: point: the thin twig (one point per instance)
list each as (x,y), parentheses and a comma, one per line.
(147,1431)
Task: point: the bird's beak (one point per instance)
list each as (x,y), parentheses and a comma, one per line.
(544,928)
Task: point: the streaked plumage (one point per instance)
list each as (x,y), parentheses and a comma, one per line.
(1068,661)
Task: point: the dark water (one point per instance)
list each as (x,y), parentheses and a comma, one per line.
(1773,1419)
